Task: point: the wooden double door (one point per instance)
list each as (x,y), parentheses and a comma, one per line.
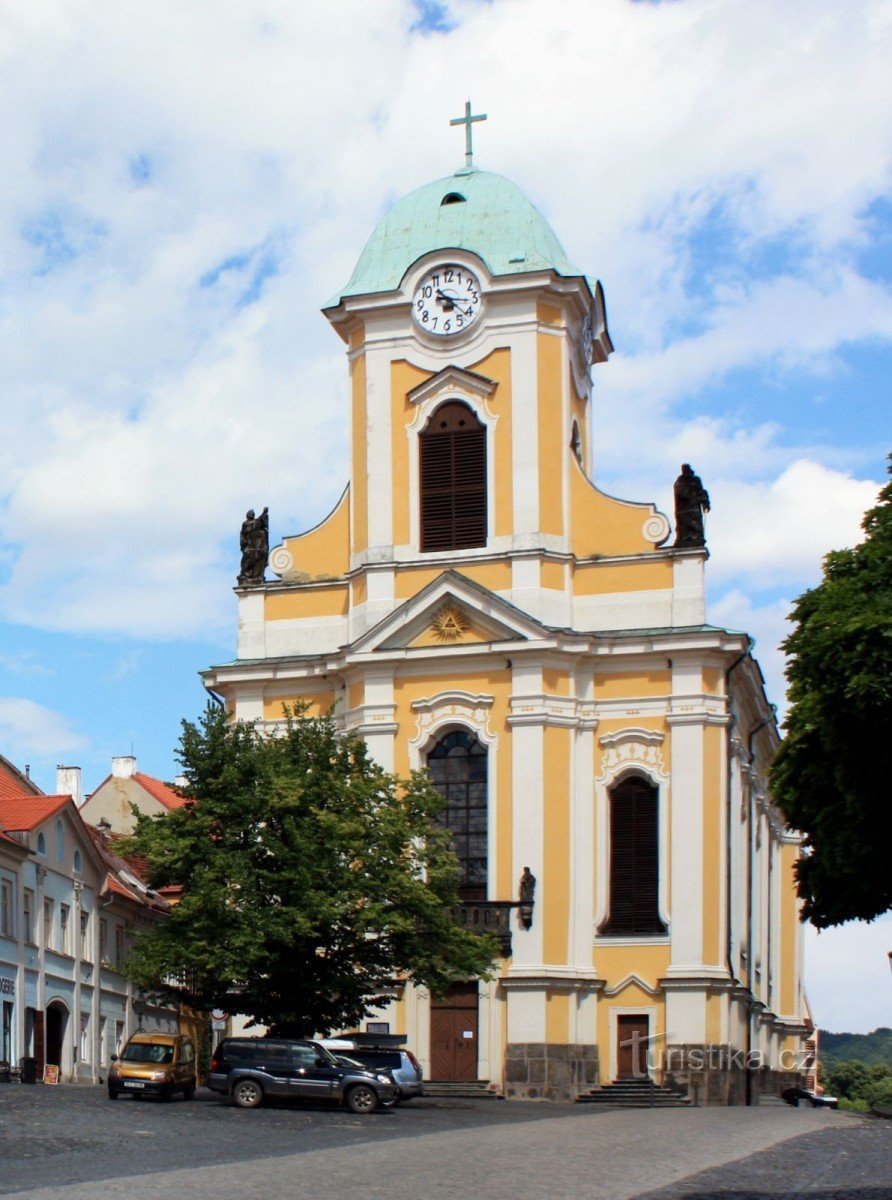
(454,1034)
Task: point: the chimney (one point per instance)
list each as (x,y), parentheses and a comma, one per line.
(124,766)
(104,828)
(68,783)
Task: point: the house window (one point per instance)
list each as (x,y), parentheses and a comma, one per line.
(453,480)
(457,766)
(119,945)
(41,844)
(84,932)
(60,841)
(85,1038)
(103,940)
(103,1041)
(64,914)
(78,862)
(28,915)
(6,925)
(634,860)
(49,920)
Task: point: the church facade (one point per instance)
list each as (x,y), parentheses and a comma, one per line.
(476,605)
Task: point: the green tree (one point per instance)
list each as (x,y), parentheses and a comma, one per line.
(311,880)
(831,775)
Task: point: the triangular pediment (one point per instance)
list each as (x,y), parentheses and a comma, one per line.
(450,611)
(451,380)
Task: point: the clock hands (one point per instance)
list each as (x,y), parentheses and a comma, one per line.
(447,303)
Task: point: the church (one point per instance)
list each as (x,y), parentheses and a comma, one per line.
(475,605)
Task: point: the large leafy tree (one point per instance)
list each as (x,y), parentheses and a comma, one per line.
(311,879)
(831,777)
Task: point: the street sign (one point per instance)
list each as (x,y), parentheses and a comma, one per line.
(217,1014)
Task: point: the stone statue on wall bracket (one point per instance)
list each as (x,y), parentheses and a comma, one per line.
(526,897)
(691,502)
(254,542)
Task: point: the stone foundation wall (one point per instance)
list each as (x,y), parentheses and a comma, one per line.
(717,1074)
(538,1071)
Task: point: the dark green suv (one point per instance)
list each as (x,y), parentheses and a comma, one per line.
(250,1069)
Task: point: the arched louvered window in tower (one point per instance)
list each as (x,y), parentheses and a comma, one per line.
(453,480)
(634,860)
(457,767)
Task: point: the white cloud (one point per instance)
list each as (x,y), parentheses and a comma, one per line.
(29,728)
(835,958)
(150,149)
(778,531)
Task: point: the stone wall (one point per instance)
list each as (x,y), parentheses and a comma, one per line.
(538,1071)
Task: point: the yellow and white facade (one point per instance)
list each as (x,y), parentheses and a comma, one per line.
(571,643)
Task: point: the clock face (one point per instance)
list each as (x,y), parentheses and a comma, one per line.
(447,300)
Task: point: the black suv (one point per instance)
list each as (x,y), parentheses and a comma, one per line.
(249,1069)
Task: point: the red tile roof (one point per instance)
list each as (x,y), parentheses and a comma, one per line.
(27,812)
(115,885)
(162,792)
(14,783)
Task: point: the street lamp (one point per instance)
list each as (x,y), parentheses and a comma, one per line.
(140,1007)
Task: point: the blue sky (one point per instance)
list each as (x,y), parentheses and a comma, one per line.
(183,193)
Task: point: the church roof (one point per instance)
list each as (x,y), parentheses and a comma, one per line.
(470,210)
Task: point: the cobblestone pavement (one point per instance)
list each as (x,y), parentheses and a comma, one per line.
(71,1143)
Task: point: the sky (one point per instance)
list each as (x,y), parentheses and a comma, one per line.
(185,185)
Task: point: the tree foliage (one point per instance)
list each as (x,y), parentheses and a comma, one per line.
(310,880)
(831,775)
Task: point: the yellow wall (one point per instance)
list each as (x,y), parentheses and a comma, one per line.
(601,524)
(318,704)
(497,366)
(556,841)
(596,579)
(325,549)
(403,378)
(359,435)
(301,601)
(643,682)
(552,451)
(713,823)
(493,575)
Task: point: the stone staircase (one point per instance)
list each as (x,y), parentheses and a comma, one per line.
(459,1089)
(635,1093)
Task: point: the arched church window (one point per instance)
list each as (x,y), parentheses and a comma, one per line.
(634,860)
(453,479)
(457,767)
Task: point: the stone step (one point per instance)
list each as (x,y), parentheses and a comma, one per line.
(635,1093)
(468,1089)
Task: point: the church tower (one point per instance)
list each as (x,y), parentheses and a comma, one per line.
(475,605)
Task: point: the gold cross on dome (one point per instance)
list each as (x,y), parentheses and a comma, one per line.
(468,120)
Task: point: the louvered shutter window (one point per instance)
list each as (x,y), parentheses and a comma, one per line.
(634,860)
(453,480)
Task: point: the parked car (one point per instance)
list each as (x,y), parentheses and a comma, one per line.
(250,1069)
(154,1064)
(376,1055)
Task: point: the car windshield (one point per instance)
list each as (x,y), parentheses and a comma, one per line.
(153,1052)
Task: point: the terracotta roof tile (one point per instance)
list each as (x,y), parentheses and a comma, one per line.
(27,812)
(162,792)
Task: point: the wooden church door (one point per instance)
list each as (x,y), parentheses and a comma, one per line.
(454,1030)
(632,1032)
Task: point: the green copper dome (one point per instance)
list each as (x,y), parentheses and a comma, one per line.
(470,210)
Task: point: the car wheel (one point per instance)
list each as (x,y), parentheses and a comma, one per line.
(362,1099)
(112,1093)
(248,1094)
(189,1091)
(167,1094)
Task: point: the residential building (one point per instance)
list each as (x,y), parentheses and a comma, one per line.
(123,790)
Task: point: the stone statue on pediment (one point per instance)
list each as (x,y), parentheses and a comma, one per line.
(254,543)
(691,502)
